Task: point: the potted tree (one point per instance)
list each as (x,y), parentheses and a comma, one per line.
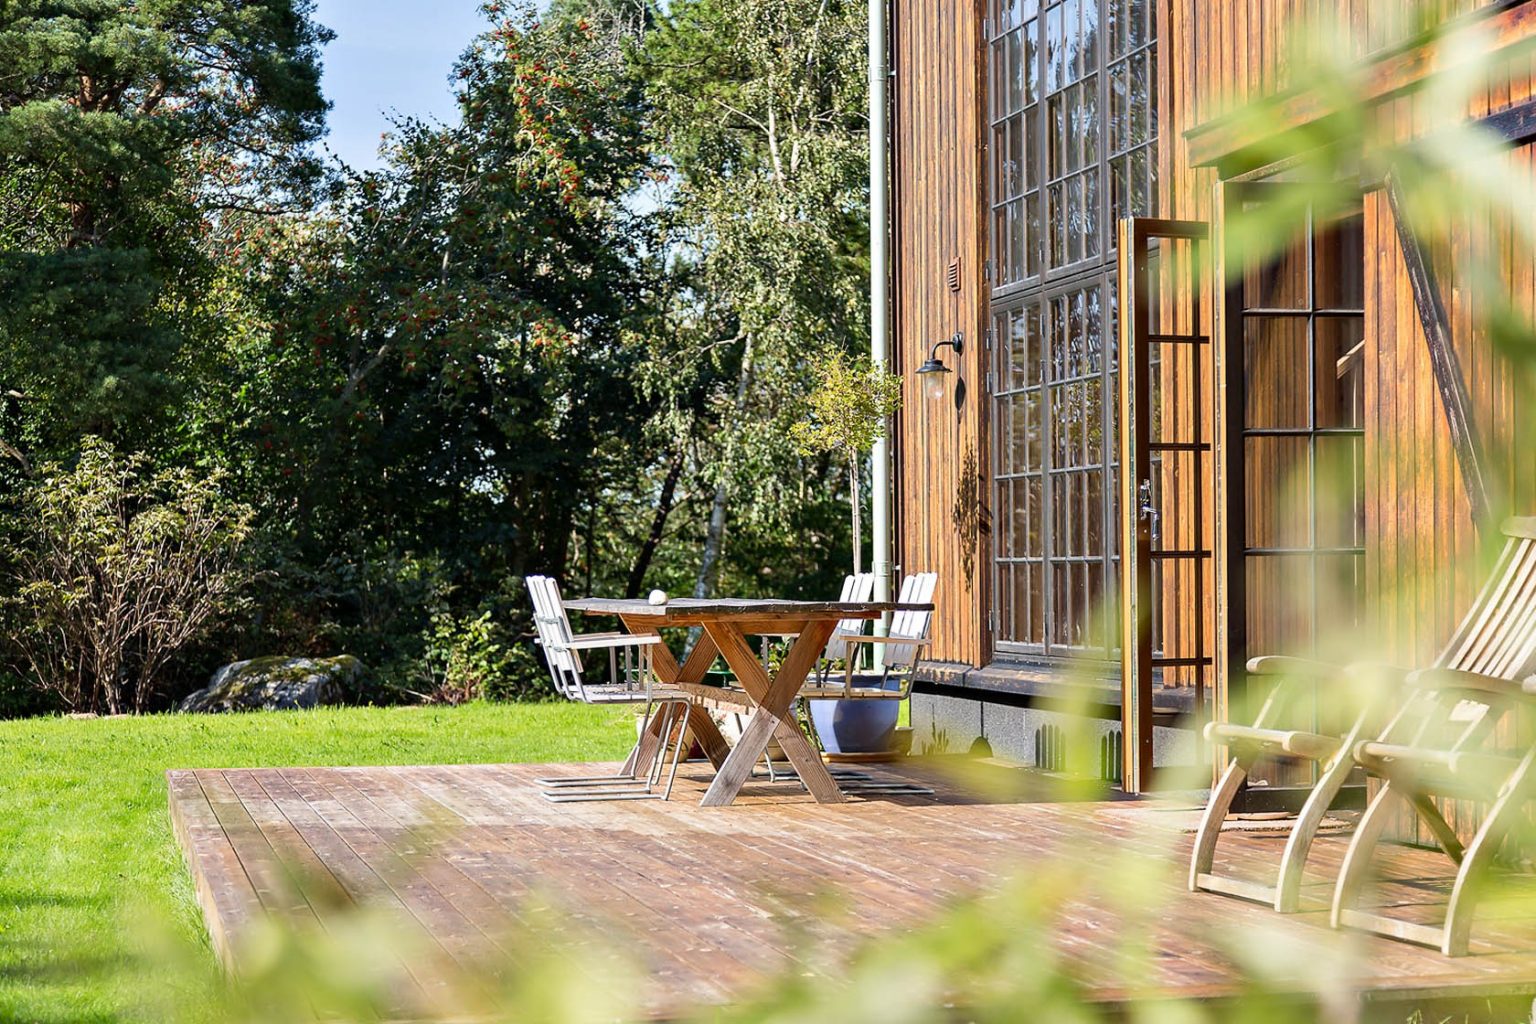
(847,413)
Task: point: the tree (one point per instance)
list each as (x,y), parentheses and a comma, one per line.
(447,372)
(760,111)
(128,134)
(848,412)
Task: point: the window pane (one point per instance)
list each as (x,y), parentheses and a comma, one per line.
(1275,371)
(1016,71)
(1088,119)
(1031,63)
(1032,226)
(1055,50)
(1091,212)
(1074,226)
(1340,491)
(1056,213)
(1340,264)
(1016,157)
(1340,371)
(1280,283)
(1279,602)
(1277,481)
(1090,35)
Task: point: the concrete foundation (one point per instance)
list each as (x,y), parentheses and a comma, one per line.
(1052,740)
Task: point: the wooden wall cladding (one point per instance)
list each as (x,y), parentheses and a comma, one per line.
(1426,558)
(1421,564)
(941,450)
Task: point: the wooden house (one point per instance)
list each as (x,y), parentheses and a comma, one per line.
(1139,460)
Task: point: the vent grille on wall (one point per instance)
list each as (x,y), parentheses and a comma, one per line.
(1050,748)
(1111,752)
(954,274)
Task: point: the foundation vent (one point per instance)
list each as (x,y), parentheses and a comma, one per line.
(1111,753)
(1050,748)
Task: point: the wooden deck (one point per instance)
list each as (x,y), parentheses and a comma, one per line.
(729,896)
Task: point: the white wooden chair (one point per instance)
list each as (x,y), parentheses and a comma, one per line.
(909,634)
(630,681)
(857,587)
(1441,743)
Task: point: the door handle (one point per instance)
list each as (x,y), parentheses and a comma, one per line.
(1146,509)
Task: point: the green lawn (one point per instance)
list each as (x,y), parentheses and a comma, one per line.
(98,921)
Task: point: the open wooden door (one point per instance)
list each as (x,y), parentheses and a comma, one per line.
(1167,509)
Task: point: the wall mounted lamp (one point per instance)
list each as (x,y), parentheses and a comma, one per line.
(935,372)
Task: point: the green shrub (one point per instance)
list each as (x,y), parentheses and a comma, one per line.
(117,566)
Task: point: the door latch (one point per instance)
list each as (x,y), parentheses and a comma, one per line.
(1146,509)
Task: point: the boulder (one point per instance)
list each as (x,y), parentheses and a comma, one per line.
(279,683)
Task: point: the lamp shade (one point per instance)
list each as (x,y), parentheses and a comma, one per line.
(933,374)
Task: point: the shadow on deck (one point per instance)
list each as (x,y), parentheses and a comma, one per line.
(715,901)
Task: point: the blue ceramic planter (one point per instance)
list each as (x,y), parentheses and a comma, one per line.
(855,726)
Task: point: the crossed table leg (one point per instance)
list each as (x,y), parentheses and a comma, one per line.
(771,718)
(700,724)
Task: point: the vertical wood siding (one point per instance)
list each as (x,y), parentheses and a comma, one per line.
(1424,558)
(942,455)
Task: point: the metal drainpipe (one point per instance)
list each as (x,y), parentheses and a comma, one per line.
(879,296)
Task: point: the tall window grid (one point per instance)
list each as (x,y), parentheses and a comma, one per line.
(1303,323)
(1072,105)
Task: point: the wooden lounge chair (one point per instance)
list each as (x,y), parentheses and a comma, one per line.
(630,681)
(1439,744)
(1268,737)
(1496,638)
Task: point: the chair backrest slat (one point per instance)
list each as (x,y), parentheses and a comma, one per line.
(554,629)
(1488,613)
(1498,634)
(856,587)
(917,588)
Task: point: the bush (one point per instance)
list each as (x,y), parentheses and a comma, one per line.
(118,566)
(463,656)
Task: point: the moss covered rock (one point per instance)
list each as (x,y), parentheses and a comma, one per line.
(279,683)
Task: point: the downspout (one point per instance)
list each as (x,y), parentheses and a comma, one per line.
(879,296)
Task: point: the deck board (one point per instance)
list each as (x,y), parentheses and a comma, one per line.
(462,857)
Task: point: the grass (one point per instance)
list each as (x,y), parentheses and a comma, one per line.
(98,921)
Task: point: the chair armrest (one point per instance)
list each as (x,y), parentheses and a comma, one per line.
(1469,682)
(597,641)
(1299,668)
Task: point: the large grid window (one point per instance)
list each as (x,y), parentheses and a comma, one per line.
(1072,97)
(1072,88)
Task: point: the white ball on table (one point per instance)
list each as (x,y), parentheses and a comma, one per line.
(658,597)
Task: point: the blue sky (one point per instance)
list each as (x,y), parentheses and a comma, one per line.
(389,55)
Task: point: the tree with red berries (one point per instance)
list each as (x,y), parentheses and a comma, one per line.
(447,368)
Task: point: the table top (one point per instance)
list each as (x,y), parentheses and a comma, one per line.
(690,608)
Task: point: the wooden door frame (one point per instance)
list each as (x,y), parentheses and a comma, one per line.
(1134,297)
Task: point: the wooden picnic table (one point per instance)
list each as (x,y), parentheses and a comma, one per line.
(725,625)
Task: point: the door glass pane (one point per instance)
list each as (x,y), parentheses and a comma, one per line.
(1303,463)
